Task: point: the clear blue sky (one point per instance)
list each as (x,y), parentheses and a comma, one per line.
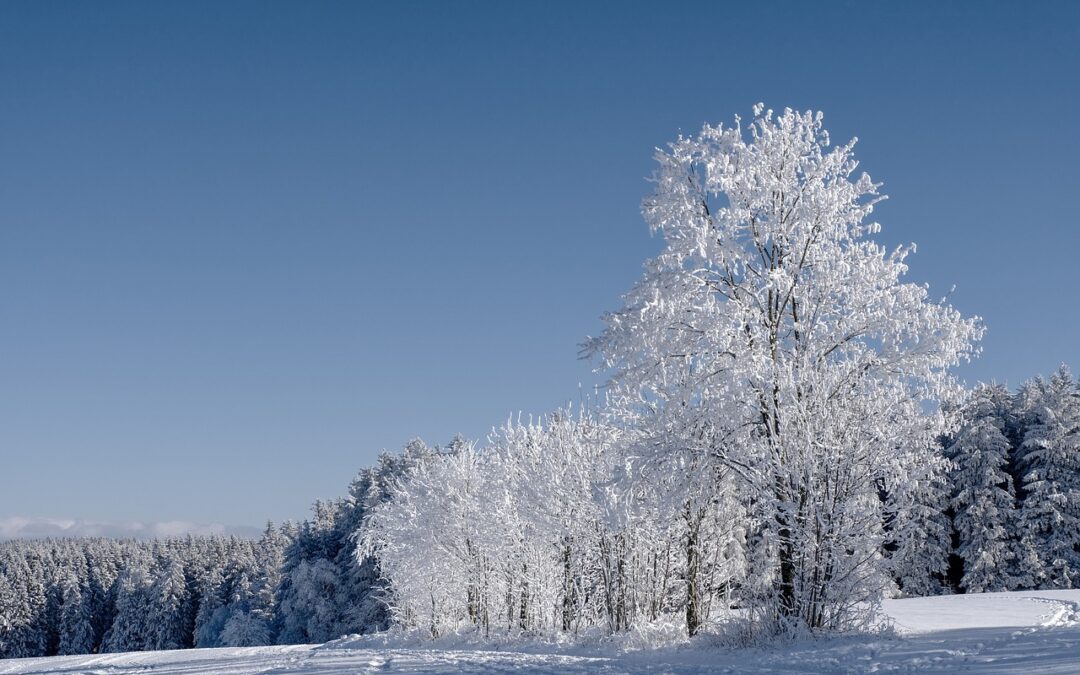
(246,246)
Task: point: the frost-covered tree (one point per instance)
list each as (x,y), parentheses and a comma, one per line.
(480,564)
(1050,466)
(366,588)
(692,511)
(310,609)
(918,529)
(18,635)
(131,629)
(63,596)
(438,509)
(213,609)
(983,501)
(270,559)
(169,600)
(554,527)
(325,547)
(76,629)
(245,629)
(24,601)
(774,337)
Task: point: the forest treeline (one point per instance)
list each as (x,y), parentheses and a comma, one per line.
(296,584)
(1001,515)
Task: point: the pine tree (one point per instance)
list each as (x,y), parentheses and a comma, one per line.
(169,599)
(1050,464)
(310,608)
(12,616)
(23,600)
(983,500)
(213,611)
(131,629)
(270,558)
(76,628)
(920,533)
(244,629)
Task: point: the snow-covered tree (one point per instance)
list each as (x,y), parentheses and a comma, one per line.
(24,603)
(18,636)
(918,529)
(168,627)
(76,629)
(436,510)
(310,609)
(691,510)
(554,527)
(213,609)
(984,502)
(366,588)
(245,629)
(1050,465)
(270,560)
(772,336)
(131,629)
(87,595)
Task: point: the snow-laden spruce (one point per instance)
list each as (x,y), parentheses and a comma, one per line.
(984,501)
(772,337)
(918,530)
(1050,484)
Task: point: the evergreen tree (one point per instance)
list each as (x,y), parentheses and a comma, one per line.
(310,608)
(13,607)
(920,533)
(1050,464)
(76,628)
(213,612)
(270,559)
(131,628)
(244,629)
(983,500)
(169,600)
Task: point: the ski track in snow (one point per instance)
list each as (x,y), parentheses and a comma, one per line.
(1034,632)
(1065,614)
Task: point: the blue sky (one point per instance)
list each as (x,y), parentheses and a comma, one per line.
(246,246)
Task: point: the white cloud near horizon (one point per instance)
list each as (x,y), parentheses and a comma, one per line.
(23,527)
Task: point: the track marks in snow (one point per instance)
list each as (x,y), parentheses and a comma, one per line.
(1065,612)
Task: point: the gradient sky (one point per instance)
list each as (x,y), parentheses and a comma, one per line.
(246,246)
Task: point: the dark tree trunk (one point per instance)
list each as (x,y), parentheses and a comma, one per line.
(693,580)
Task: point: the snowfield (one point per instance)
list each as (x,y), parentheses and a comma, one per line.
(1028,632)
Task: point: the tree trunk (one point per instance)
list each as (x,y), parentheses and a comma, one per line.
(786,555)
(569,599)
(523,614)
(693,577)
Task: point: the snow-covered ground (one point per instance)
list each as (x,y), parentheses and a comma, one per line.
(1027,632)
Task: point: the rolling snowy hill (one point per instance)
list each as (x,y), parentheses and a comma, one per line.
(1028,632)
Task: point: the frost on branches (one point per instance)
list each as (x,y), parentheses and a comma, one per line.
(541,532)
(918,530)
(984,502)
(773,339)
(1050,470)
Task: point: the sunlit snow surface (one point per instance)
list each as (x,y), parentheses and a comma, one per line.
(1029,632)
